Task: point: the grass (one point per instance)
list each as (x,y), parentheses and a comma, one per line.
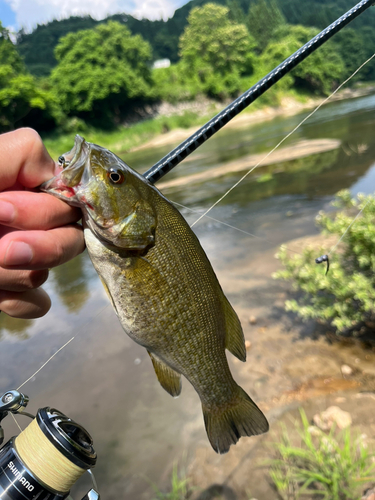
(179,487)
(121,139)
(324,466)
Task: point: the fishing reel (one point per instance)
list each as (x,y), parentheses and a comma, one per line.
(47,458)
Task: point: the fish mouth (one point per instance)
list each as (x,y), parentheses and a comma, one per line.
(76,172)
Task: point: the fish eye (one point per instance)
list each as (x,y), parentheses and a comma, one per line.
(115,176)
(63,162)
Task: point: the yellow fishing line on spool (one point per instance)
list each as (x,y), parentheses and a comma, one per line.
(45,461)
(47,458)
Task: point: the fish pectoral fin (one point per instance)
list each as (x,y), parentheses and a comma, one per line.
(226,425)
(108,294)
(234,339)
(137,231)
(169,379)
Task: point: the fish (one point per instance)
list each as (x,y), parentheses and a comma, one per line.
(161,285)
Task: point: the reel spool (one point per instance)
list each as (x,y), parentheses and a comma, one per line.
(47,458)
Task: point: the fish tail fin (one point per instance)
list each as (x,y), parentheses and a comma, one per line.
(225,426)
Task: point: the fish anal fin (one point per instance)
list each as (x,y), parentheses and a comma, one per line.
(234,339)
(169,379)
(224,427)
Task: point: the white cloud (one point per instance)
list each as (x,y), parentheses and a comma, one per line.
(31,12)
(155,9)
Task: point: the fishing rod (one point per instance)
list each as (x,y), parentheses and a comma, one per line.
(45,459)
(174,157)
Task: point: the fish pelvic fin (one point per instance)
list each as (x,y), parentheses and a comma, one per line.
(169,379)
(224,427)
(234,339)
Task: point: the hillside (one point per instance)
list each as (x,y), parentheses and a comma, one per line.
(37,47)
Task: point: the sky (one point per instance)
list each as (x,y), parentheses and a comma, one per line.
(16,14)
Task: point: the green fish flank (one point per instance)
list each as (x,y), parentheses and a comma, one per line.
(161,285)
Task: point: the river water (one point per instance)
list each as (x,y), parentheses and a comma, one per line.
(105,381)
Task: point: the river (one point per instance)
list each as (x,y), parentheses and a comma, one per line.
(106,382)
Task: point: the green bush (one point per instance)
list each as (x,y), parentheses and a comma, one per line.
(328,467)
(345,297)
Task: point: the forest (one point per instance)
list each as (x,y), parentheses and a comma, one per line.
(78,71)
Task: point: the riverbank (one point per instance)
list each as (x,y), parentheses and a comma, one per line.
(174,123)
(291,104)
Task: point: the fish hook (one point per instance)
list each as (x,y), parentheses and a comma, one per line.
(323,258)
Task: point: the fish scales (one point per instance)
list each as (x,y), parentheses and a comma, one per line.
(161,285)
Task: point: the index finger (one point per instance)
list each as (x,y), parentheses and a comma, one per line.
(24,158)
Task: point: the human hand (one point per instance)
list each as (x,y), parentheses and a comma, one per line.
(37,230)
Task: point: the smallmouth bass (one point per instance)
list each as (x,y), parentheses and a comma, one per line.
(161,285)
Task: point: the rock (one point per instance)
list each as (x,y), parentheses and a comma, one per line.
(346,370)
(340,399)
(247,344)
(314,431)
(332,415)
(218,492)
(252,320)
(369,494)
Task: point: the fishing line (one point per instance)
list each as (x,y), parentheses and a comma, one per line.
(15,421)
(282,141)
(347,229)
(65,345)
(232,227)
(46,363)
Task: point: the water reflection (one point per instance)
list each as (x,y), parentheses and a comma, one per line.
(71,283)
(14,326)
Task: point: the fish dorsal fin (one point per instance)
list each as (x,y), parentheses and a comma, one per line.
(234,338)
(169,379)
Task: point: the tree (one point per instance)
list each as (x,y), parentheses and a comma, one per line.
(350,45)
(216,49)
(22,101)
(236,11)
(102,71)
(262,20)
(320,72)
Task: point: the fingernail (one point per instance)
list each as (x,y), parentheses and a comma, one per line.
(18,253)
(7,211)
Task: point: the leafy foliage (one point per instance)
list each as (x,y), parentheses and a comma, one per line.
(320,72)
(345,297)
(22,100)
(329,467)
(101,71)
(216,50)
(37,47)
(263,19)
